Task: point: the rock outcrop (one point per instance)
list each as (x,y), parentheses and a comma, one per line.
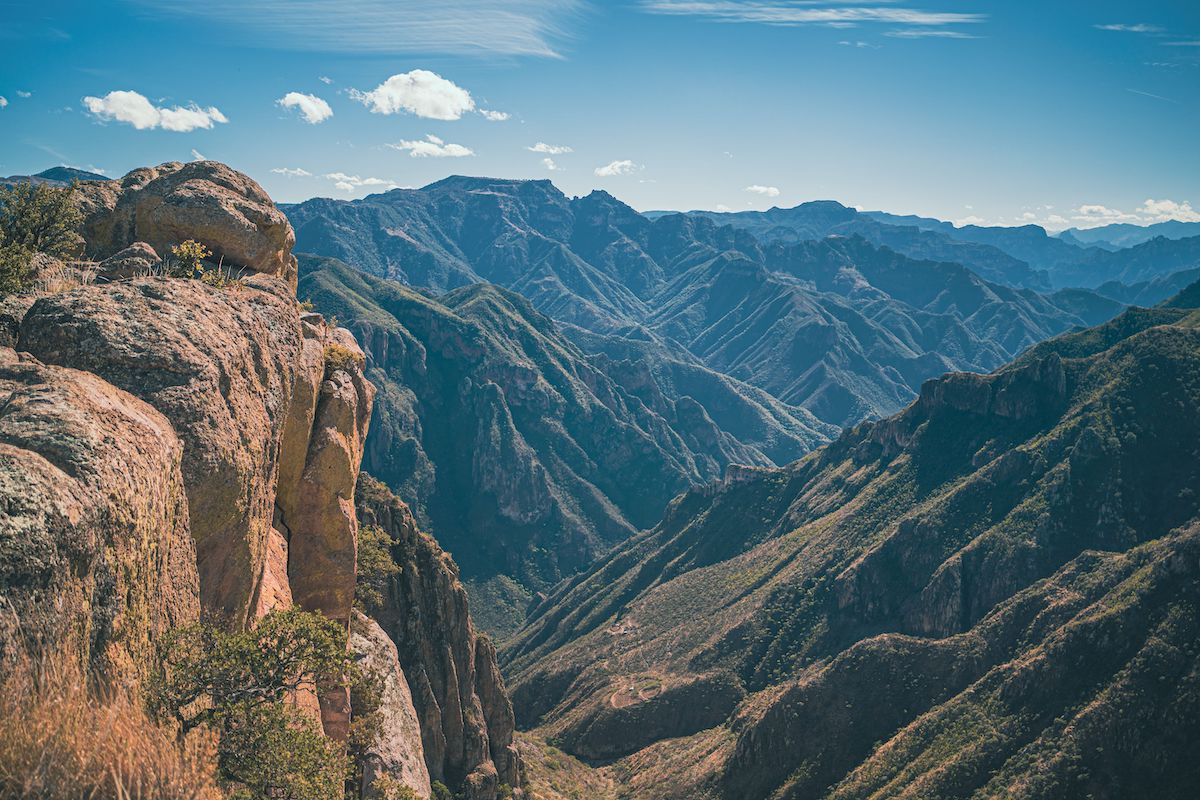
(205,201)
(466,718)
(398,753)
(221,366)
(96,558)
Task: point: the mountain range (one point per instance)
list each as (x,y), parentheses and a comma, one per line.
(610,361)
(992,593)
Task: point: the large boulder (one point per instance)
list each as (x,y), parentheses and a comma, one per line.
(96,559)
(205,201)
(221,366)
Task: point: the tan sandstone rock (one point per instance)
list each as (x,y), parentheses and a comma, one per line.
(202,200)
(321,519)
(221,366)
(96,559)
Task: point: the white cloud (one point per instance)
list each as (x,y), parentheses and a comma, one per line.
(549,149)
(1140,27)
(432,147)
(622,167)
(349,183)
(3,101)
(25,95)
(391,27)
(494,116)
(136,110)
(1163,210)
(723,208)
(859,43)
(970,220)
(197,155)
(292,172)
(325,80)
(420,92)
(311,107)
(765,191)
(549,164)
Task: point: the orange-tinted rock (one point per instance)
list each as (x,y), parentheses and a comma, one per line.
(205,201)
(97,560)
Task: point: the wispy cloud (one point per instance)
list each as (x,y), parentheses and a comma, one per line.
(613,168)
(348,183)
(197,155)
(549,149)
(293,172)
(479,27)
(549,164)
(134,109)
(23,94)
(432,147)
(859,44)
(325,79)
(3,101)
(928,33)
(765,191)
(311,107)
(495,116)
(1184,43)
(1154,96)
(808,12)
(1140,27)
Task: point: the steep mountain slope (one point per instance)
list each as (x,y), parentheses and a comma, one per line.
(521,455)
(994,592)
(844,329)
(1144,262)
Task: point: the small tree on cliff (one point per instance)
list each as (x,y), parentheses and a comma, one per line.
(238,684)
(35,218)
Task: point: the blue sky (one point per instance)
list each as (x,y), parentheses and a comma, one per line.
(1064,113)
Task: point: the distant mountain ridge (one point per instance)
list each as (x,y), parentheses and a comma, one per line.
(595,264)
(55,176)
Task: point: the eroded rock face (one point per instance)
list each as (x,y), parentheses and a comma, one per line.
(320,520)
(221,366)
(96,558)
(465,715)
(203,200)
(398,753)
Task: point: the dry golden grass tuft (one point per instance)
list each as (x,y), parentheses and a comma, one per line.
(58,740)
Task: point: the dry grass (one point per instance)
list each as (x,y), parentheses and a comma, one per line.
(58,740)
(60,277)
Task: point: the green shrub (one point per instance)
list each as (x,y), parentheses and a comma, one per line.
(237,684)
(340,357)
(35,218)
(439,791)
(42,219)
(376,568)
(15,272)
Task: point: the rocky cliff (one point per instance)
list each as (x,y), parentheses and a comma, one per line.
(463,711)
(172,449)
